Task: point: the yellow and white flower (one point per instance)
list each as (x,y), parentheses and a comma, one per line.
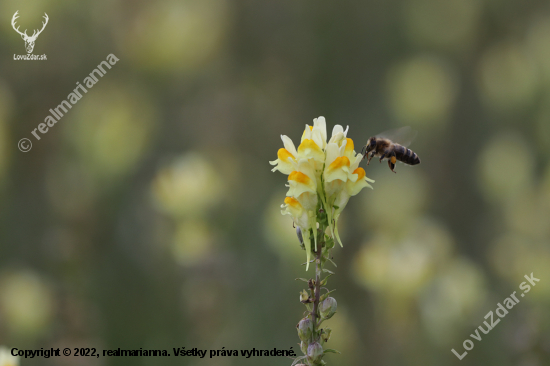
(294,209)
(286,157)
(303,185)
(321,175)
(317,132)
(302,218)
(337,169)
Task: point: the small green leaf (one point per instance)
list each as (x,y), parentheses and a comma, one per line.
(301,279)
(326,295)
(311,261)
(326,270)
(331,261)
(330,350)
(324,281)
(297,359)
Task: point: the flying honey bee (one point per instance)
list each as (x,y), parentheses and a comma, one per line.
(391,145)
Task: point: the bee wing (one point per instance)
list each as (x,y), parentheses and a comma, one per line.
(402,136)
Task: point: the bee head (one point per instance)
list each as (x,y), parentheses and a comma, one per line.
(371,144)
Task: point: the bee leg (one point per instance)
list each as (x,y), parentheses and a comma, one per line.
(382,156)
(370,157)
(364,152)
(391,163)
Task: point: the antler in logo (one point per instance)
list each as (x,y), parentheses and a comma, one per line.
(29,41)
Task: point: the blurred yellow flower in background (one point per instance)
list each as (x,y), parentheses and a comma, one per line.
(27,303)
(6,359)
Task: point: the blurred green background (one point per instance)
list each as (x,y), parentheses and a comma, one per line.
(148,215)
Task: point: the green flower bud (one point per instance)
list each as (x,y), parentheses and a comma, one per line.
(329,243)
(325,336)
(314,353)
(304,296)
(303,347)
(305,328)
(328,307)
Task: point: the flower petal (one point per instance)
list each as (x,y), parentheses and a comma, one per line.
(355,162)
(310,150)
(321,125)
(307,133)
(337,129)
(300,183)
(302,179)
(285,163)
(354,188)
(289,145)
(294,209)
(338,169)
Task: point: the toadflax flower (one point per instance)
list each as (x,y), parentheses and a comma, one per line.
(322,176)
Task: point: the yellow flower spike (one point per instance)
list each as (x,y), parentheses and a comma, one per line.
(320,170)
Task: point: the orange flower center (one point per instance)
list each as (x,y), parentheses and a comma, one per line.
(299,177)
(293,202)
(284,154)
(360,172)
(339,162)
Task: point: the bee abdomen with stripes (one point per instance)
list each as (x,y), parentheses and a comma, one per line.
(405,155)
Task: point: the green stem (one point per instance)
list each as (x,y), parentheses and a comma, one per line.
(317,288)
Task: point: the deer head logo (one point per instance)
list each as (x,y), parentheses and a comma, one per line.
(29,41)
